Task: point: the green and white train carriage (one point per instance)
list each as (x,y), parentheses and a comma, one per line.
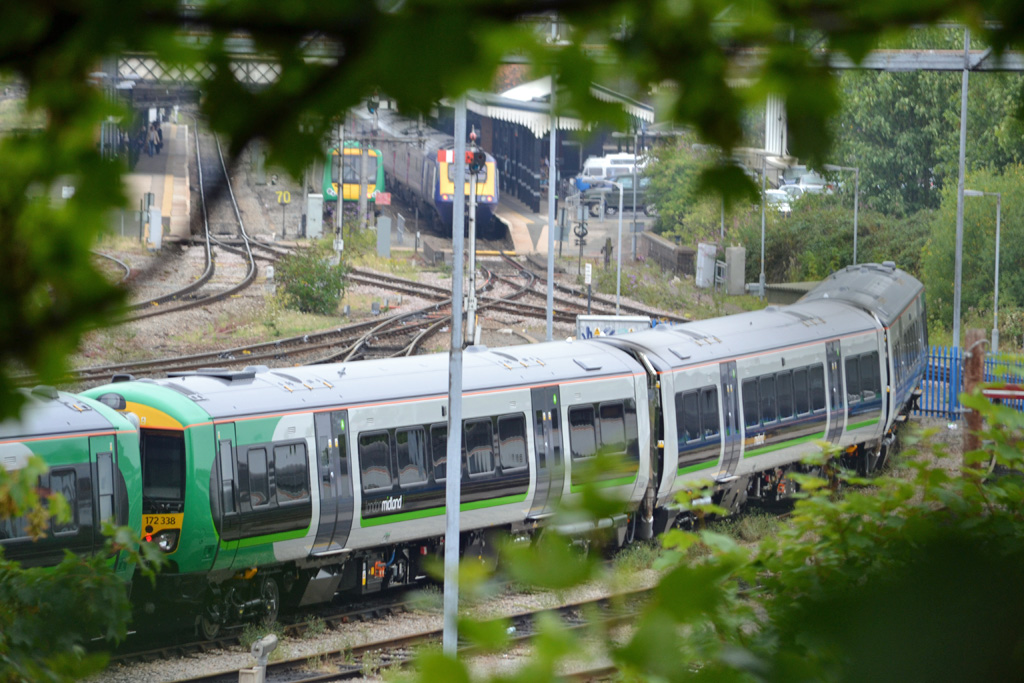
(317,479)
(92,457)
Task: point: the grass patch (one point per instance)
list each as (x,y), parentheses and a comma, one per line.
(750,527)
(638,557)
(316,627)
(429,599)
(253,632)
(400,267)
(646,283)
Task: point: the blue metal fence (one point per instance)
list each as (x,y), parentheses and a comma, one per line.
(944,380)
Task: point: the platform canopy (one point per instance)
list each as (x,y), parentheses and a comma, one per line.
(527,105)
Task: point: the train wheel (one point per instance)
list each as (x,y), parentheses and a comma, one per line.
(208,624)
(270,594)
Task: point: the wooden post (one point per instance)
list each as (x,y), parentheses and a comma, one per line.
(974,371)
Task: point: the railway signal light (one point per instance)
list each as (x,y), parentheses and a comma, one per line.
(476,161)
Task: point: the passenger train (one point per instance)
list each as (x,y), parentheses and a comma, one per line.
(419,166)
(345,163)
(270,487)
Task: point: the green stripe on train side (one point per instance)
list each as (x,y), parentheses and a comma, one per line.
(698,466)
(272,538)
(437,511)
(865,423)
(784,444)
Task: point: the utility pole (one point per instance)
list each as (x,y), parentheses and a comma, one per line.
(453,451)
(472,161)
(339,237)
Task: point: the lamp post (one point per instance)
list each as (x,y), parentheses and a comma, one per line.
(995,300)
(856,199)
(764,189)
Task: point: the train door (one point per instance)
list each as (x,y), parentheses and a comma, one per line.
(335,483)
(730,420)
(547,438)
(101,455)
(836,394)
(227,480)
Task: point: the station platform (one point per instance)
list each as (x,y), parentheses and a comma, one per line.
(166,176)
(529,231)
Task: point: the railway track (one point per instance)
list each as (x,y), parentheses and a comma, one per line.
(213,176)
(605,303)
(367,660)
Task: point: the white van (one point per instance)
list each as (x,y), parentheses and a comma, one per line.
(610,166)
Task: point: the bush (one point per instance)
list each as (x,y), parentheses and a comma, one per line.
(311,283)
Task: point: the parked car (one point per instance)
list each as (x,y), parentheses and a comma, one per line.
(815,184)
(778,200)
(610,194)
(794,192)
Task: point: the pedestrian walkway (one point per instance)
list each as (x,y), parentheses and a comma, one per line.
(166,176)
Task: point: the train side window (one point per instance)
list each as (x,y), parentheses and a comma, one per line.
(613,428)
(227,478)
(784,389)
(512,442)
(817,376)
(751,414)
(259,479)
(870,378)
(105,483)
(687,416)
(852,379)
(375,460)
(291,473)
(439,450)
(411,451)
(479,446)
(582,434)
(766,391)
(709,411)
(801,400)
(65,482)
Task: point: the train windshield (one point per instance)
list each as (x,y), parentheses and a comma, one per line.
(351,167)
(481,176)
(163,471)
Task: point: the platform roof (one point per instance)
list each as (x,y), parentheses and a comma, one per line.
(528,105)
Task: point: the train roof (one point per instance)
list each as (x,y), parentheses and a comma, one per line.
(48,412)
(702,342)
(225,394)
(881,288)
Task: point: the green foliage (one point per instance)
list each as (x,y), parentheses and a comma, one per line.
(817,239)
(978,268)
(913,578)
(311,282)
(48,614)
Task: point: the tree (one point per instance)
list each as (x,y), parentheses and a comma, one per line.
(311,282)
(978,267)
(902,129)
(416,52)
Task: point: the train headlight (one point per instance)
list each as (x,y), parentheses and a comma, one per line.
(166,540)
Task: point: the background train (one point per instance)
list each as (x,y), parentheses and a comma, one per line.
(420,167)
(346,164)
(286,486)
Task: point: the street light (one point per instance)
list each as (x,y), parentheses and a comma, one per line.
(856,198)
(995,301)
